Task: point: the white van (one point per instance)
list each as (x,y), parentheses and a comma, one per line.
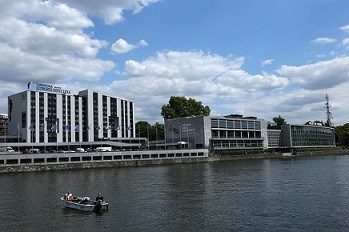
(99,149)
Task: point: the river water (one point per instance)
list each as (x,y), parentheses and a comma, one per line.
(305,194)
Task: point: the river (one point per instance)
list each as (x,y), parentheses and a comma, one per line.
(305,194)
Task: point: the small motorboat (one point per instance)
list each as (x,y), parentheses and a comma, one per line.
(84,204)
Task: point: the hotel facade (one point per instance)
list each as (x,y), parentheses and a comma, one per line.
(52,115)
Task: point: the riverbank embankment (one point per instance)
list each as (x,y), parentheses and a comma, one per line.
(72,161)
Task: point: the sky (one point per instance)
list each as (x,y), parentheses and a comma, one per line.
(255,58)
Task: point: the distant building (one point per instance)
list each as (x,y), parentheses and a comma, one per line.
(297,136)
(218,132)
(53,115)
(274,137)
(239,132)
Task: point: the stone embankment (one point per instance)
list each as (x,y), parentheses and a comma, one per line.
(48,162)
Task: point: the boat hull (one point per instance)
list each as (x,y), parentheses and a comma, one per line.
(88,207)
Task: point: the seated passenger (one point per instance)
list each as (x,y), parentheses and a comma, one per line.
(70,197)
(99,197)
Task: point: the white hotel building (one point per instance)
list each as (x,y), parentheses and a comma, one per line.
(52,115)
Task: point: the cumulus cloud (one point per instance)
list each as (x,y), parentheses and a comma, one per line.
(320,75)
(20,66)
(242,80)
(50,13)
(194,65)
(45,41)
(344,28)
(122,46)
(323,40)
(203,76)
(142,43)
(267,62)
(109,10)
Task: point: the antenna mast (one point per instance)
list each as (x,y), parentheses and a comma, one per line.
(328,112)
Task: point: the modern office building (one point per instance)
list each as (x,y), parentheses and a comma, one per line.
(274,137)
(239,132)
(298,136)
(218,132)
(50,114)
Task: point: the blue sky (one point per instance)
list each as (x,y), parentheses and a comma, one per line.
(260,58)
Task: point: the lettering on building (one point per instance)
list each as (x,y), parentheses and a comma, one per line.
(50,88)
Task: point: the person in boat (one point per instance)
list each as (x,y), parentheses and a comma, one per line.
(66,195)
(70,196)
(85,200)
(99,197)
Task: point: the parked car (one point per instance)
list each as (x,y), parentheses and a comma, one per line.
(80,149)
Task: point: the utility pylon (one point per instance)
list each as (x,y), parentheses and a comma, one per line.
(328,112)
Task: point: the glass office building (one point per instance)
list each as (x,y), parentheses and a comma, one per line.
(307,136)
(218,132)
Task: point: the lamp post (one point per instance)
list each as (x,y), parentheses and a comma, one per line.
(148,134)
(156,135)
(5,132)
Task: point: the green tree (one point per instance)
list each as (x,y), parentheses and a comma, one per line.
(342,135)
(151,132)
(279,120)
(179,107)
(142,129)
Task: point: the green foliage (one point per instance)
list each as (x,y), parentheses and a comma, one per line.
(151,132)
(179,107)
(279,120)
(342,135)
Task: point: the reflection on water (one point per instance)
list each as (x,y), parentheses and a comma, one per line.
(308,194)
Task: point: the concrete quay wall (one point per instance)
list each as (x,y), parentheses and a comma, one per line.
(59,161)
(65,161)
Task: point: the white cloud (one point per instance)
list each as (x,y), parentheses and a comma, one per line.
(323,40)
(203,76)
(195,65)
(242,80)
(44,41)
(344,28)
(22,66)
(49,13)
(122,46)
(109,10)
(320,75)
(47,41)
(267,62)
(143,43)
(345,42)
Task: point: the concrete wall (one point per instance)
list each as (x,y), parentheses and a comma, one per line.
(61,161)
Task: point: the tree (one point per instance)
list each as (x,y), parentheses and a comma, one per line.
(279,120)
(179,107)
(142,129)
(151,132)
(342,135)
